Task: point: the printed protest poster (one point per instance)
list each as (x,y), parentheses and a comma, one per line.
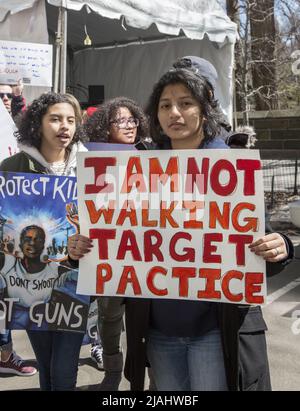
(8,140)
(29,62)
(91,334)
(172,224)
(37,285)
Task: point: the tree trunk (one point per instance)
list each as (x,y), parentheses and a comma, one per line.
(232,10)
(232,7)
(263,50)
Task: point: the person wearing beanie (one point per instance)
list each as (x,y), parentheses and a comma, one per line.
(197,345)
(204,68)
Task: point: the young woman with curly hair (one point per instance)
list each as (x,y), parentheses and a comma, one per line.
(119,120)
(47,137)
(48,144)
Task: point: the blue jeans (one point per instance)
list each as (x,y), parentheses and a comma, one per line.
(20,319)
(187,363)
(5,341)
(57,354)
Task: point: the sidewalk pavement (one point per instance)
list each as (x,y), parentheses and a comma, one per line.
(89,376)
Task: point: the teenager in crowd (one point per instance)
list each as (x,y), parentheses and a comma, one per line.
(119,120)
(195,345)
(221,346)
(48,144)
(204,68)
(122,121)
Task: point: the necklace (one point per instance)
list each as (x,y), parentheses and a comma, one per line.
(60,168)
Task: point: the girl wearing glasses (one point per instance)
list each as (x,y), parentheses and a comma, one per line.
(117,121)
(14,103)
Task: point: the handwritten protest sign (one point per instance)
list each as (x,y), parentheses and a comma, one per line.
(172,224)
(30,62)
(8,140)
(37,286)
(109,147)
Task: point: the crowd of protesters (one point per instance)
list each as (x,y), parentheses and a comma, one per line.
(208,351)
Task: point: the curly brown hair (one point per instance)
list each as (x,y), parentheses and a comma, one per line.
(98,124)
(31,120)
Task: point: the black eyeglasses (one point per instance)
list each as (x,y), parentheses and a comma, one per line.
(124,122)
(8,95)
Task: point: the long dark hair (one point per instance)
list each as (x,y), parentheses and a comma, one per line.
(31,120)
(98,125)
(201,91)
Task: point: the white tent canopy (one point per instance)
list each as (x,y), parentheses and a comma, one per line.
(133,41)
(195,18)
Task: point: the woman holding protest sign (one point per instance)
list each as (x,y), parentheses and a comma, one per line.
(48,144)
(195,345)
(117,121)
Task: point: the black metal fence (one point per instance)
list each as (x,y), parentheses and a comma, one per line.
(281,175)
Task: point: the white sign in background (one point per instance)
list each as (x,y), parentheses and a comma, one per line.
(29,62)
(226,249)
(8,141)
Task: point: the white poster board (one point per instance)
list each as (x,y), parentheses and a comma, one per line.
(30,62)
(8,141)
(172,224)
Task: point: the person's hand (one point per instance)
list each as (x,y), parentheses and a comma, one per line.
(78,246)
(72,215)
(18,89)
(271,247)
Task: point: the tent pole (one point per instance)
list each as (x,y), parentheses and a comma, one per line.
(131,43)
(57,52)
(234,98)
(63,55)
